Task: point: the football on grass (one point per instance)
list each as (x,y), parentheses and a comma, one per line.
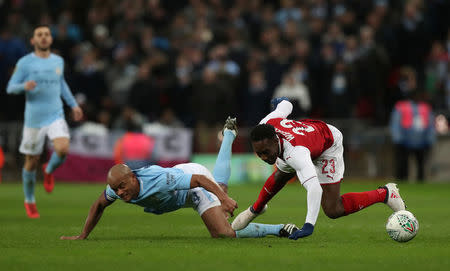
(402,226)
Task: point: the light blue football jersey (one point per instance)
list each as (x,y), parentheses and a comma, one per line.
(43,104)
(162,190)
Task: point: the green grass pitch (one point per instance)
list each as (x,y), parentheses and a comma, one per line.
(126,238)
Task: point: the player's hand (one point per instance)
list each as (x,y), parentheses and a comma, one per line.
(76,237)
(77,113)
(229,205)
(307,230)
(30,85)
(275,101)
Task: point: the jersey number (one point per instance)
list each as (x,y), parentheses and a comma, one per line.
(296,130)
(331,168)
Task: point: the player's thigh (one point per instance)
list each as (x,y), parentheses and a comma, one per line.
(33,140)
(58,133)
(330,164)
(61,145)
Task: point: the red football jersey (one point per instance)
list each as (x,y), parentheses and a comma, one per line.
(312,134)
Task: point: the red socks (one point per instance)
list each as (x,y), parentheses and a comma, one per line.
(270,189)
(353,202)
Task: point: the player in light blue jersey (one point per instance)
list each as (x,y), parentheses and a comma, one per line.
(161,190)
(40,76)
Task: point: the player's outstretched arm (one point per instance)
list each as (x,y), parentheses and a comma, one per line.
(283,110)
(228,204)
(95,213)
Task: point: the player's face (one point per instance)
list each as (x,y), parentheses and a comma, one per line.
(127,188)
(267,150)
(42,38)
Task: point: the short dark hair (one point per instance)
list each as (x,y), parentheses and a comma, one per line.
(262,131)
(38,26)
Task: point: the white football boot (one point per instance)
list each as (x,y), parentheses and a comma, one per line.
(244,218)
(393,198)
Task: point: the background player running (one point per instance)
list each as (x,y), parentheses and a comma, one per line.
(161,190)
(311,150)
(40,75)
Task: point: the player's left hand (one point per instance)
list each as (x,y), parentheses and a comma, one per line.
(307,230)
(77,113)
(229,205)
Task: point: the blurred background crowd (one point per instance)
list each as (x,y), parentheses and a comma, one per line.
(191,63)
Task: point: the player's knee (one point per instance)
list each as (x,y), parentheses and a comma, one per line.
(62,150)
(332,212)
(31,162)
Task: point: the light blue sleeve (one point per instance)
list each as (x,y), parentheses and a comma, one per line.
(67,94)
(65,91)
(16,84)
(110,195)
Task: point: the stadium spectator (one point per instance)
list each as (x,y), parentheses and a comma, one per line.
(40,76)
(223,36)
(312,151)
(412,130)
(135,149)
(296,91)
(161,190)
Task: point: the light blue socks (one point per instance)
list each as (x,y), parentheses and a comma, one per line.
(54,163)
(259,230)
(222,168)
(28,180)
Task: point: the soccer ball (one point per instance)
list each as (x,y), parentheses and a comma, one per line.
(402,226)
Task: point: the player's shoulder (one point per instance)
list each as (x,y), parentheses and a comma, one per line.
(25,59)
(57,57)
(274,121)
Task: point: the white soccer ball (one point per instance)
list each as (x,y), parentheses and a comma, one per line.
(402,226)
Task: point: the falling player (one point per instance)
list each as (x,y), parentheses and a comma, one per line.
(40,75)
(313,151)
(161,190)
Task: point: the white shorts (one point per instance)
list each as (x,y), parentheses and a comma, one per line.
(199,198)
(329,165)
(33,139)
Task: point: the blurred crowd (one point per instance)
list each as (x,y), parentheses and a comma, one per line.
(192,63)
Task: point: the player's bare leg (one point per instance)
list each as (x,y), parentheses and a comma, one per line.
(61,148)
(29,180)
(271,187)
(331,201)
(216,223)
(31,162)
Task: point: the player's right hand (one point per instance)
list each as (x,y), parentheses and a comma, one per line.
(307,230)
(76,237)
(275,101)
(30,85)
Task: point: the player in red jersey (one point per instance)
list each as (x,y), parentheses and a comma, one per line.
(313,151)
